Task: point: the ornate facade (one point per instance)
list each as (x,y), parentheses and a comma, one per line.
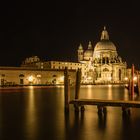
(99,65)
(104,65)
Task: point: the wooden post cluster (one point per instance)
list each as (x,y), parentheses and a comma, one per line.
(101,109)
(78,82)
(66,89)
(132,81)
(138,82)
(126,110)
(77,89)
(129,86)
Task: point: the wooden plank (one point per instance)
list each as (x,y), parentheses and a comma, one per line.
(100,102)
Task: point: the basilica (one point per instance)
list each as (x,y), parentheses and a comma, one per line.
(103,63)
(99,64)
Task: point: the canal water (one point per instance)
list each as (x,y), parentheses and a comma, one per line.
(37,113)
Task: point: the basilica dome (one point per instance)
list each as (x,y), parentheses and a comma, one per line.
(89,52)
(104,43)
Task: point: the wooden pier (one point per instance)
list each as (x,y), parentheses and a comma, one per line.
(100,103)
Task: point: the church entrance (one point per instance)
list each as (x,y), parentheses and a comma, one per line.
(120,73)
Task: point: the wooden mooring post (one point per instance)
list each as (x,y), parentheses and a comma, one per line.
(66,89)
(77,89)
(132,81)
(78,82)
(138,83)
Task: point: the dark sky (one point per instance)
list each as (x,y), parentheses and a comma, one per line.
(54,30)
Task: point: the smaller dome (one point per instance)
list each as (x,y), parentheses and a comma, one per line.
(89,52)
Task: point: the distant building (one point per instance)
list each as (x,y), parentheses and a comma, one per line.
(12,76)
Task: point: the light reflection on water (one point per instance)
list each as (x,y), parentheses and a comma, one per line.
(30,117)
(38,114)
(104,92)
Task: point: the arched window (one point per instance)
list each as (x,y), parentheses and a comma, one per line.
(54,76)
(3,75)
(21,75)
(105,69)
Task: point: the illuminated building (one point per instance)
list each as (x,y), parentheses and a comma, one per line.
(56,65)
(12,76)
(103,62)
(99,64)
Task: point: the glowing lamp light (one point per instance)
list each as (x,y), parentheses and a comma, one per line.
(109,85)
(135,78)
(38,76)
(89,78)
(30,79)
(109,78)
(62,78)
(126,78)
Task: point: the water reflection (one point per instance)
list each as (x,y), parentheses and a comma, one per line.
(83,125)
(89,91)
(102,121)
(30,114)
(73,124)
(109,92)
(31,102)
(39,114)
(126,127)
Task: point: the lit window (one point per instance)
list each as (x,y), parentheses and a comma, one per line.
(38,76)
(3,75)
(30,79)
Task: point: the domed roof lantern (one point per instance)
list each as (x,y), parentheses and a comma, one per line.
(104,35)
(104,43)
(89,46)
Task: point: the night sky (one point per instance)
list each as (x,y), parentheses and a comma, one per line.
(54,30)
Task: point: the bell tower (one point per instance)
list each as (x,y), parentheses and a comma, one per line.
(80,53)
